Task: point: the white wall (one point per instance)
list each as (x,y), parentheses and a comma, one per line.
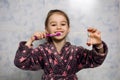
(20,18)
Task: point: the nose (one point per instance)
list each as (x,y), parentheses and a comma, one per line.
(58,27)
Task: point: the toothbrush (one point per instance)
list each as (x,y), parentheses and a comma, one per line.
(49,35)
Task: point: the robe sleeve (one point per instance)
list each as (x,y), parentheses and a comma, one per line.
(28,58)
(90,58)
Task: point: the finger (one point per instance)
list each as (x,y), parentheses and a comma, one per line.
(40,35)
(35,36)
(44,34)
(98,32)
(89,42)
(36,33)
(91,29)
(94,30)
(90,35)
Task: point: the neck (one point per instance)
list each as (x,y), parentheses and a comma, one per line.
(59,44)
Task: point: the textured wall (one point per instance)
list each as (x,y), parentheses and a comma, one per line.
(20,18)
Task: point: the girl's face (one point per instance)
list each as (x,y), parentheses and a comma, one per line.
(58,23)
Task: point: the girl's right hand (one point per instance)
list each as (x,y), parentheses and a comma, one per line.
(35,36)
(38,36)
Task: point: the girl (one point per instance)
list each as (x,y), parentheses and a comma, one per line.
(59,59)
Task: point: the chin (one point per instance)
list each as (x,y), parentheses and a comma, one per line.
(58,38)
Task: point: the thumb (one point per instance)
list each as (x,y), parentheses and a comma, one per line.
(89,41)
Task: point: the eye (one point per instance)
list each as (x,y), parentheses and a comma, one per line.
(63,24)
(53,24)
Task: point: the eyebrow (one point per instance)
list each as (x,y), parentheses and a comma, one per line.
(55,22)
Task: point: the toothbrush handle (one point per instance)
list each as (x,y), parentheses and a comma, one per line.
(48,35)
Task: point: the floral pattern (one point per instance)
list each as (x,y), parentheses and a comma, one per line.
(58,65)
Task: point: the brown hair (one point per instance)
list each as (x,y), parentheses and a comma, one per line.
(50,13)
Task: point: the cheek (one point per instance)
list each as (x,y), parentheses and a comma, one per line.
(67,29)
(50,29)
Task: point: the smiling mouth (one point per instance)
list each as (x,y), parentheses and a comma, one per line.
(56,34)
(59,32)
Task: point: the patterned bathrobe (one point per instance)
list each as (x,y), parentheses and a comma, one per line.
(58,65)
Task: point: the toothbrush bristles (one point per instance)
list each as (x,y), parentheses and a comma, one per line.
(58,34)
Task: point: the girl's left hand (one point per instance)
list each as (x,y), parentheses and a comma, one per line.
(94,36)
